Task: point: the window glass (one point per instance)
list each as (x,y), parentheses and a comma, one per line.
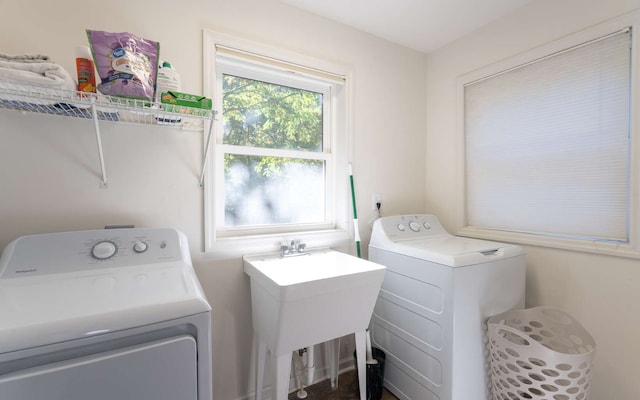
(273,190)
(267,115)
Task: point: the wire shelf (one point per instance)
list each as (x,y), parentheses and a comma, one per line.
(98,107)
(67,103)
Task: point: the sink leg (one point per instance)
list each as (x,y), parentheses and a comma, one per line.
(332,355)
(280,388)
(362,363)
(261,356)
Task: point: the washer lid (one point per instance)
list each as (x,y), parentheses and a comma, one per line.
(455,251)
(421,236)
(86,298)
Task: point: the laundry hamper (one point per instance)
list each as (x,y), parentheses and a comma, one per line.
(539,353)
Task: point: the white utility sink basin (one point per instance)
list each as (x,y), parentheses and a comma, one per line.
(298,301)
(302,300)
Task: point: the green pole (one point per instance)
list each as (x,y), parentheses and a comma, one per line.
(356,230)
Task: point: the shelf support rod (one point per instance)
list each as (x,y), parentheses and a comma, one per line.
(207,148)
(94,114)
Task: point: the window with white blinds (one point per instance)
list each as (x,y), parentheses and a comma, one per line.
(547,144)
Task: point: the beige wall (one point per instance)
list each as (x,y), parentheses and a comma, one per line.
(49,169)
(602,292)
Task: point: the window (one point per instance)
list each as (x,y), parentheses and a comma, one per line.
(274,143)
(548,149)
(281,144)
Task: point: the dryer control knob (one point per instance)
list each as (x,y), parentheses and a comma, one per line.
(401,227)
(140,246)
(104,250)
(414,226)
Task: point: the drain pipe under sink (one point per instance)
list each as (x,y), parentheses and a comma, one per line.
(304,369)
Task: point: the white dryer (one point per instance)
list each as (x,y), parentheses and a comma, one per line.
(430,316)
(102,315)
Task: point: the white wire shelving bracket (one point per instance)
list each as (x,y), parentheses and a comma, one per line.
(99,108)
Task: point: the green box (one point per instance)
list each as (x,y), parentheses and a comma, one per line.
(185,100)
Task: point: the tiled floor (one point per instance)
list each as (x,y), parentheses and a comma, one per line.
(347,390)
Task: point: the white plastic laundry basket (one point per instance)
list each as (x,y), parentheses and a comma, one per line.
(539,353)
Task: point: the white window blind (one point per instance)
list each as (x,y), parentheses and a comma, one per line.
(547,144)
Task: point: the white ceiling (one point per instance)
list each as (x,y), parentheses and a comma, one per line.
(423,25)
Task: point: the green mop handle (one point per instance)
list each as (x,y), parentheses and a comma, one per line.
(356,230)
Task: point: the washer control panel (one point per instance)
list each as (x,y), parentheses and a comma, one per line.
(410,227)
(91,250)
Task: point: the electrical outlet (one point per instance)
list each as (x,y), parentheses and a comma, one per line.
(377,198)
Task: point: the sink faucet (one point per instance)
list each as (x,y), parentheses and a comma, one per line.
(295,248)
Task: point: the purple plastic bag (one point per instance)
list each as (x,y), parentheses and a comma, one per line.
(127,65)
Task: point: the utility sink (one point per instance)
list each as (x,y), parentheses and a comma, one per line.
(302,300)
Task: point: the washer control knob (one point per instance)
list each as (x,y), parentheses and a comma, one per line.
(426,225)
(401,227)
(414,226)
(140,246)
(104,250)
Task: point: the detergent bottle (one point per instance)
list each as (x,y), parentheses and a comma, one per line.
(167,80)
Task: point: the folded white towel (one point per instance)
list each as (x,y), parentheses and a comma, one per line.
(42,74)
(26,58)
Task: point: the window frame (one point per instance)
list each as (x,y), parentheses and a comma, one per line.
(632,247)
(289,70)
(232,67)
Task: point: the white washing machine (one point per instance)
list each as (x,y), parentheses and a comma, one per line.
(430,316)
(103,315)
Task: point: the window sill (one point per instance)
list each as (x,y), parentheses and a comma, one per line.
(617,249)
(243,245)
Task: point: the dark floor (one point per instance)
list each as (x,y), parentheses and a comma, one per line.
(347,390)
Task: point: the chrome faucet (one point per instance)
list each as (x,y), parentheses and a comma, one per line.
(295,248)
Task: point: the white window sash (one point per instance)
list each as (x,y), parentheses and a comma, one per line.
(280,153)
(241,69)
